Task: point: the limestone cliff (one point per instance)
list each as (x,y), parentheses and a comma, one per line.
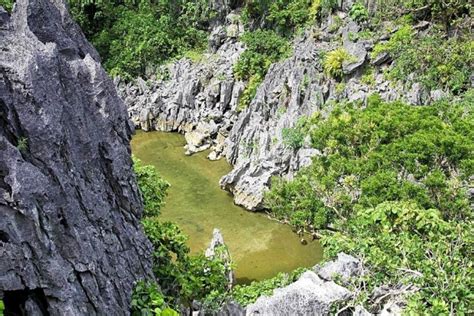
(70,239)
(200,99)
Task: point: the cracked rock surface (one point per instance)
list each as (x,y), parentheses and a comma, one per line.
(70,238)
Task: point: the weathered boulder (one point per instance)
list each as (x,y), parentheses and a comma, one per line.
(314,293)
(344,268)
(310,295)
(70,237)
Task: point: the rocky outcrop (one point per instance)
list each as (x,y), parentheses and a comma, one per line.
(70,238)
(200,100)
(316,292)
(312,294)
(218,249)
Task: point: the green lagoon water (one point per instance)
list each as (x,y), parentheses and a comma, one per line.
(260,247)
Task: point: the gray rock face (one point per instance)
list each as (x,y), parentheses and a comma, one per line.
(217,248)
(70,238)
(313,293)
(310,295)
(199,99)
(344,267)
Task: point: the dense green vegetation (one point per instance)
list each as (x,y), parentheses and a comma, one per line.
(433,60)
(7,4)
(152,187)
(390,186)
(182,278)
(134,37)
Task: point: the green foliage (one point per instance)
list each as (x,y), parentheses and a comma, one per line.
(292,137)
(436,62)
(390,185)
(386,152)
(134,37)
(182,278)
(403,244)
(203,277)
(283,16)
(248,294)
(152,187)
(22,144)
(450,12)
(250,91)
(2,307)
(358,12)
(329,5)
(368,77)
(287,15)
(263,49)
(147,299)
(333,62)
(170,248)
(7,4)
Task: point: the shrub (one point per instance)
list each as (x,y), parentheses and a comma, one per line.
(386,152)
(334,60)
(152,188)
(432,60)
(289,15)
(358,12)
(147,299)
(284,16)
(169,249)
(449,12)
(263,49)
(292,137)
(391,186)
(7,4)
(250,91)
(328,6)
(203,277)
(403,244)
(133,38)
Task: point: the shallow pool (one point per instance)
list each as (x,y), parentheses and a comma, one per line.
(260,247)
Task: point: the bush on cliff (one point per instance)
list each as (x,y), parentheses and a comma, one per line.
(152,188)
(134,37)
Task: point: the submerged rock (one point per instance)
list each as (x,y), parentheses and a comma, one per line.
(70,237)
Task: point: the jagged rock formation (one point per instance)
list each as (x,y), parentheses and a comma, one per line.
(217,248)
(200,100)
(310,295)
(70,238)
(316,292)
